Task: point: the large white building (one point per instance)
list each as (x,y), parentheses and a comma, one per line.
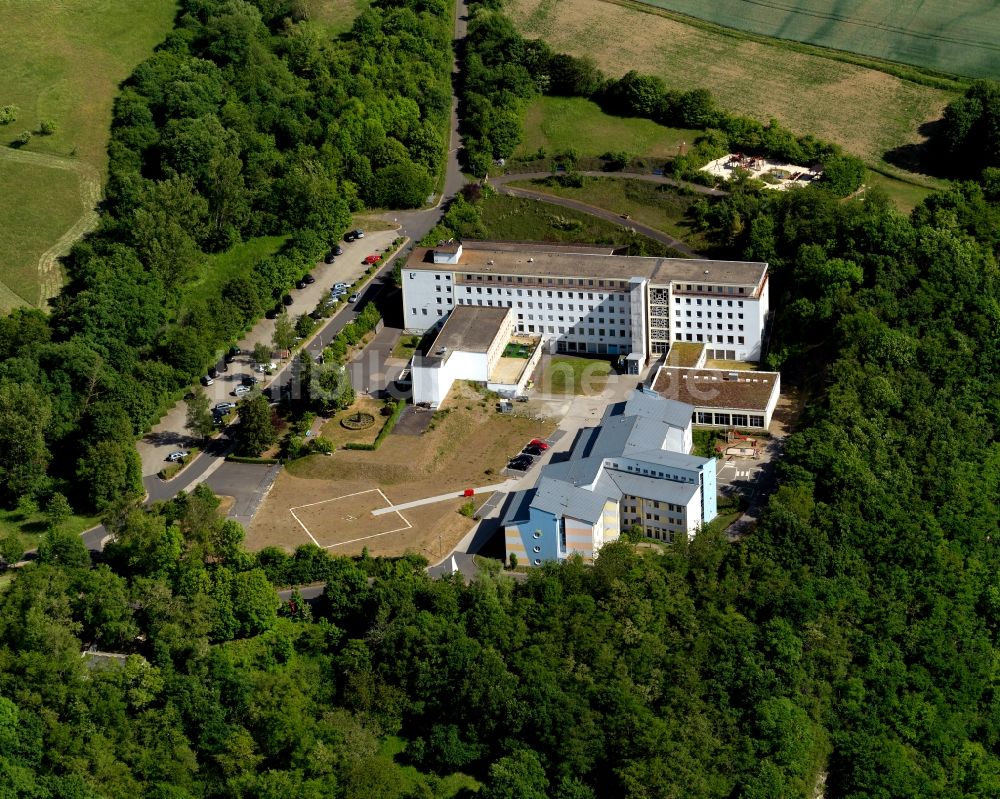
(583,298)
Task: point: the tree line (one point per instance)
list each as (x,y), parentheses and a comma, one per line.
(248,120)
(503,71)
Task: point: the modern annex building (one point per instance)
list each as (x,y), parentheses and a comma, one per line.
(583,298)
(632,469)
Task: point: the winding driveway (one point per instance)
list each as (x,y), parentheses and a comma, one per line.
(500,183)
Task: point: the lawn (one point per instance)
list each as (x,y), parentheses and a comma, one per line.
(30,527)
(37,205)
(218,269)
(561,123)
(657,205)
(904,194)
(337,16)
(405,347)
(959,37)
(339,435)
(61,62)
(568,375)
(466,445)
(865,110)
(520,219)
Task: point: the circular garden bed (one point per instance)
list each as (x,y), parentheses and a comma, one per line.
(358,421)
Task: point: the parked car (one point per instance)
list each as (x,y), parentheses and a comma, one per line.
(532,449)
(229,357)
(354,297)
(287,299)
(248,380)
(223,407)
(206,380)
(340,287)
(537,442)
(240,390)
(299,284)
(349,236)
(308,280)
(273,312)
(265,367)
(329,257)
(213,372)
(178,455)
(521,463)
(234,351)
(338,250)
(315,315)
(372,259)
(358,233)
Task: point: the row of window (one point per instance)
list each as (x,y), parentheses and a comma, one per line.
(718,315)
(569,295)
(698,301)
(729,419)
(573,331)
(542,281)
(712,289)
(708,339)
(708,325)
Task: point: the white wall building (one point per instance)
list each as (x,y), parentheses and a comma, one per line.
(469,346)
(582,298)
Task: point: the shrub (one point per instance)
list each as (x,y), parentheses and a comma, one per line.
(468,509)
(24,137)
(8,114)
(47,128)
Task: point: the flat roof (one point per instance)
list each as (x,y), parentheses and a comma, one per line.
(541,259)
(684,353)
(469,328)
(534,246)
(711,388)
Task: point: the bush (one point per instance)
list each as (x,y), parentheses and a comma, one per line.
(468,509)
(8,114)
(47,128)
(248,459)
(23,138)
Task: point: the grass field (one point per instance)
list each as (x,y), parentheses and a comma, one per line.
(61,61)
(906,195)
(26,190)
(218,269)
(29,528)
(336,16)
(865,110)
(960,36)
(568,375)
(660,206)
(560,123)
(520,219)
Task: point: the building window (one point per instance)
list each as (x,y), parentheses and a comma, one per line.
(536,548)
(740,420)
(538,562)
(756,421)
(722,418)
(536,534)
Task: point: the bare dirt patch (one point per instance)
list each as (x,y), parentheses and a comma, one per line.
(466,445)
(864,110)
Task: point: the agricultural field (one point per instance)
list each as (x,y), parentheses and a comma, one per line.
(865,110)
(960,37)
(61,64)
(560,123)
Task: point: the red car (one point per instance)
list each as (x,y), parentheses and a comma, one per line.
(373,259)
(537,442)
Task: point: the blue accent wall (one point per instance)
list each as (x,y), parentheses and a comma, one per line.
(548,543)
(709,491)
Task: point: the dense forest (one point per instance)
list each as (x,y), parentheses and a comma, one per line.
(849,643)
(850,640)
(248,120)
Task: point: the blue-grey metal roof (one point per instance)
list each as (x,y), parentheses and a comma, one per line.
(565,499)
(668,458)
(652,406)
(518,508)
(653,488)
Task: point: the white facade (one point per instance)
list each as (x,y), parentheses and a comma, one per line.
(601,304)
